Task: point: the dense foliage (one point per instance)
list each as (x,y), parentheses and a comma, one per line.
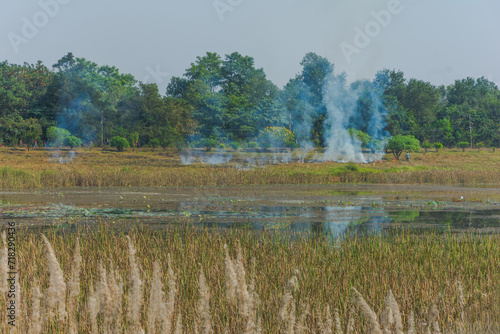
(119,143)
(228,100)
(400,143)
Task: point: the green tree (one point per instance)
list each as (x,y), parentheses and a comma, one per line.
(57,136)
(399,143)
(31,131)
(209,143)
(463,145)
(119,143)
(154,143)
(72,142)
(89,95)
(363,137)
(426,145)
(133,138)
(443,132)
(303,98)
(438,146)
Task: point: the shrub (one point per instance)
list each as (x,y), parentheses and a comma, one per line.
(209,143)
(154,143)
(479,145)
(363,137)
(133,138)
(463,145)
(400,143)
(438,146)
(72,141)
(180,145)
(273,136)
(234,145)
(426,145)
(57,136)
(222,146)
(119,143)
(252,145)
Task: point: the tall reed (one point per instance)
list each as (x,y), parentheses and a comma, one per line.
(96,280)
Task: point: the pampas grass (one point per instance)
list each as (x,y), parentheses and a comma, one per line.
(396,275)
(168,314)
(35,321)
(55,296)
(411,323)
(135,297)
(156,306)
(3,265)
(116,293)
(338,324)
(74,288)
(204,317)
(284,313)
(366,311)
(93,308)
(231,278)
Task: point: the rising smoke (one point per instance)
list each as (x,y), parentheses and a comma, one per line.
(334,111)
(358,107)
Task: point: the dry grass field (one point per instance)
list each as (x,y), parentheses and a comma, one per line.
(183,280)
(20,169)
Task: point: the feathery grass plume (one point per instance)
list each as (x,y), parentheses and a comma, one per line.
(116,291)
(398,321)
(55,295)
(18,300)
(367,312)
(325,327)
(436,328)
(105,299)
(411,323)
(35,321)
(204,304)
(168,314)
(301,324)
(255,314)
(338,324)
(4,265)
(231,278)
(178,325)
(431,319)
(329,321)
(135,297)
(74,288)
(156,306)
(461,301)
(387,319)
(391,317)
(254,320)
(244,298)
(350,325)
(291,286)
(93,308)
(290,324)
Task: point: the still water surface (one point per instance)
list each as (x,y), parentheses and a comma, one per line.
(317,208)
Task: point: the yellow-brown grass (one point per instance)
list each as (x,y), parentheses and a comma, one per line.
(35,169)
(422,271)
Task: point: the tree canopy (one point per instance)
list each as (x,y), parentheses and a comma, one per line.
(227,99)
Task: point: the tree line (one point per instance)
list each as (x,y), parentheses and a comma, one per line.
(227,100)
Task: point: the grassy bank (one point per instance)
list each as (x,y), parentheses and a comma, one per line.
(20,169)
(263,281)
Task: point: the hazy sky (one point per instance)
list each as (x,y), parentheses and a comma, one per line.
(437,41)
